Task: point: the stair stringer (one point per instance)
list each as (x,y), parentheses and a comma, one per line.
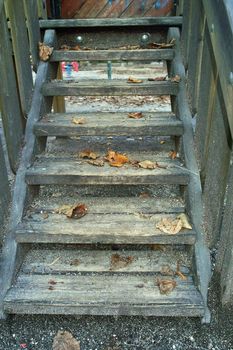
(194,191)
(13,253)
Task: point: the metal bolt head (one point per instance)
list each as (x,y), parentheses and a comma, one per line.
(231,78)
(145,37)
(79,39)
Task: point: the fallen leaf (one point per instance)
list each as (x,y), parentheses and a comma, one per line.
(96,162)
(78,121)
(162,45)
(158,78)
(65,341)
(170,226)
(167,270)
(116,159)
(184,219)
(119,262)
(75,262)
(176,79)
(179,273)
(65,47)
(147,164)
(144,195)
(166,286)
(134,80)
(135,115)
(75,211)
(45,52)
(173,154)
(160,247)
(87,153)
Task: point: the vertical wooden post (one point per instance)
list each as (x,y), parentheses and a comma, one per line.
(33,27)
(59,101)
(4,187)
(21,53)
(9,99)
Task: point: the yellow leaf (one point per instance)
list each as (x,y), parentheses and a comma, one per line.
(75,211)
(184,219)
(78,121)
(134,80)
(136,115)
(170,226)
(87,153)
(166,286)
(147,164)
(45,52)
(116,159)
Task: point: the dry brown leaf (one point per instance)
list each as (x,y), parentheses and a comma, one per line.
(184,219)
(162,45)
(75,211)
(176,79)
(144,195)
(96,162)
(173,154)
(170,226)
(65,47)
(87,153)
(65,341)
(159,247)
(135,115)
(179,273)
(116,159)
(78,121)
(134,80)
(158,78)
(147,164)
(75,262)
(119,261)
(45,52)
(167,270)
(166,286)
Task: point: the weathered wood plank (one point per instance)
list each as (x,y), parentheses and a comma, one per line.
(9,99)
(33,27)
(111,22)
(194,195)
(55,261)
(50,170)
(12,255)
(137,9)
(111,295)
(21,53)
(4,187)
(113,55)
(108,88)
(93,11)
(109,124)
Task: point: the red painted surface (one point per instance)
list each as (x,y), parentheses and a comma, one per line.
(115,8)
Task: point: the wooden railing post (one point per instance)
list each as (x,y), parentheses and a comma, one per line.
(4,188)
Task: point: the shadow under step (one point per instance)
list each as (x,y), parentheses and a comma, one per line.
(102,282)
(109,220)
(99,87)
(73,170)
(107,124)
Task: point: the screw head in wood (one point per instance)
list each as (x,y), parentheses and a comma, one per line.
(79,39)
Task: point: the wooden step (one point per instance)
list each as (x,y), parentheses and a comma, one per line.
(107,124)
(112,55)
(73,170)
(113,220)
(102,282)
(104,87)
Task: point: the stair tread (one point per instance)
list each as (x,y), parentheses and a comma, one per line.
(62,261)
(105,87)
(108,220)
(60,124)
(112,55)
(52,169)
(101,294)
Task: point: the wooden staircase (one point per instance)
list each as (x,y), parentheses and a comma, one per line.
(112,260)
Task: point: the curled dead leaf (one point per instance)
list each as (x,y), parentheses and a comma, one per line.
(119,261)
(166,286)
(65,341)
(176,79)
(184,219)
(135,115)
(158,78)
(73,211)
(45,52)
(162,45)
(87,153)
(78,121)
(134,80)
(173,154)
(116,159)
(96,162)
(147,164)
(179,273)
(170,226)
(167,270)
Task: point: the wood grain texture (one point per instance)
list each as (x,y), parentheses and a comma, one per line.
(4,188)
(108,88)
(113,55)
(95,295)
(111,22)
(109,124)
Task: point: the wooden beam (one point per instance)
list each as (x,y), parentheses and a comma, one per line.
(4,188)
(111,22)
(9,99)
